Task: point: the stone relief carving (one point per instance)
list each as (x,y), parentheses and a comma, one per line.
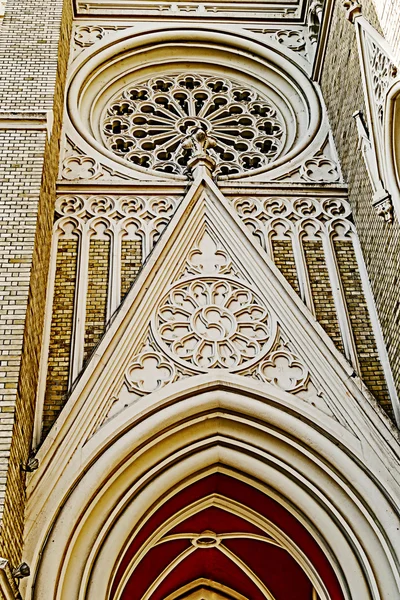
(142,216)
(207,257)
(319,169)
(206,9)
(379,73)
(211,324)
(260,213)
(87,35)
(80,167)
(283,369)
(149,371)
(297,220)
(381,200)
(384,71)
(314,18)
(211,320)
(292,39)
(163,123)
(352,8)
(76,166)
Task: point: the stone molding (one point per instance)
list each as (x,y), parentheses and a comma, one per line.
(305,122)
(27,120)
(203,10)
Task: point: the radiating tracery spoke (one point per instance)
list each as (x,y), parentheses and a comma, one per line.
(147,123)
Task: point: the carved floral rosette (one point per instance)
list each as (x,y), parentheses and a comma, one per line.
(213,323)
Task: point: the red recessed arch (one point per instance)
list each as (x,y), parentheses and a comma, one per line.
(274,566)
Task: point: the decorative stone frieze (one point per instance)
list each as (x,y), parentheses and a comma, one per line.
(143,216)
(205,10)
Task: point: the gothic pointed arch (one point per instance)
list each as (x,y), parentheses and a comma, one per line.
(159,483)
(214,368)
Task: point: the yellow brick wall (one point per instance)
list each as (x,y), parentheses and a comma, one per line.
(96,299)
(380,242)
(131,261)
(30,164)
(321,291)
(371,369)
(61,331)
(284,260)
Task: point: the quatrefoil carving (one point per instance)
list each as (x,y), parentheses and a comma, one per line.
(148,372)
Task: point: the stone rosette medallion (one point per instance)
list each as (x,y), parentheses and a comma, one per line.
(213,323)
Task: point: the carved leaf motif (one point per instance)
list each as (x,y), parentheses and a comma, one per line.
(207,258)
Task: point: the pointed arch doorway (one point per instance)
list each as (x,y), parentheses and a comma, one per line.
(222,538)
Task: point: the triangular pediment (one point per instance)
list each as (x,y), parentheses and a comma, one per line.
(208,298)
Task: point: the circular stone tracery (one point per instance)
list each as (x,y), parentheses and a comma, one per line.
(146,123)
(209,324)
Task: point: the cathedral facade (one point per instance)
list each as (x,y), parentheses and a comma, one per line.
(200,315)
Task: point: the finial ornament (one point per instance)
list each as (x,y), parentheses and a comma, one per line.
(353,9)
(200,144)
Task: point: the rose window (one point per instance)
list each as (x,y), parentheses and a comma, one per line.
(148,123)
(210,324)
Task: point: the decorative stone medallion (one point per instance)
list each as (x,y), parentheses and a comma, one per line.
(147,124)
(209,323)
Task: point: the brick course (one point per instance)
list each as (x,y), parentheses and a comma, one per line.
(284,260)
(96,299)
(324,305)
(370,366)
(131,261)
